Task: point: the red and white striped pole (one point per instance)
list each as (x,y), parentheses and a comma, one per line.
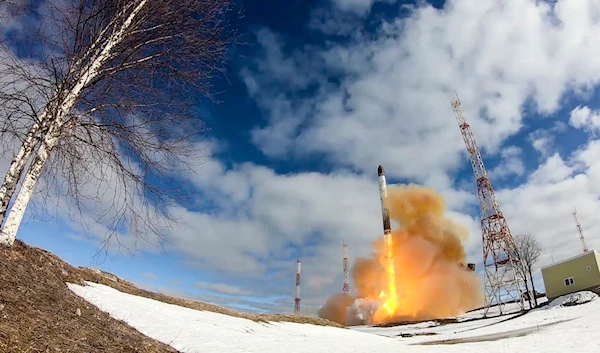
(297,300)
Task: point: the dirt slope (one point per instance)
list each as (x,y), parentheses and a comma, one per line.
(38,313)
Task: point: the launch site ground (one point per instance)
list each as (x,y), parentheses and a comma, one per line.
(78,312)
(547,329)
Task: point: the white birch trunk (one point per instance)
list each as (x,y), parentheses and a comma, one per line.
(9,229)
(8,233)
(11,179)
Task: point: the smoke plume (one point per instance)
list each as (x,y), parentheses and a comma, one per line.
(431,277)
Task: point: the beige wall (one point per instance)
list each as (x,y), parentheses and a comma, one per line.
(554,276)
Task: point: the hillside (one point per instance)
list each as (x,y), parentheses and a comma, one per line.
(38,312)
(555,328)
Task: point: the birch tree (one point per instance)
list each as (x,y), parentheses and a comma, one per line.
(102,63)
(529,250)
(23,91)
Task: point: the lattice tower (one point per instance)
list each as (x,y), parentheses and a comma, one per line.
(579,231)
(502,284)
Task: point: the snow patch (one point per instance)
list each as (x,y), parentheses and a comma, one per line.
(194,331)
(572,299)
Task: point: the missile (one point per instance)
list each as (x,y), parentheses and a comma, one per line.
(387,228)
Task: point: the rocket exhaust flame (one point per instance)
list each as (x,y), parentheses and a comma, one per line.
(390,303)
(416,271)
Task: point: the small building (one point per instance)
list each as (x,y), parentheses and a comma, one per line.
(581,272)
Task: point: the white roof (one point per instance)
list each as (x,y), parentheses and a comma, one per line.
(570,258)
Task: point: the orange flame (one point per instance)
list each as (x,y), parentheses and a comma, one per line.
(391,299)
(416,272)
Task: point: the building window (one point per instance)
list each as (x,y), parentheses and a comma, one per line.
(569,281)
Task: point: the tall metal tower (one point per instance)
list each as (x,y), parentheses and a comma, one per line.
(502,283)
(346,274)
(579,231)
(297,299)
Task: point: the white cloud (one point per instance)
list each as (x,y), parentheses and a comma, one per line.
(585,118)
(542,140)
(511,164)
(543,205)
(554,170)
(358,6)
(392,105)
(274,215)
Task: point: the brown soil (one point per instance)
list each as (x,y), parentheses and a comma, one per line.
(38,313)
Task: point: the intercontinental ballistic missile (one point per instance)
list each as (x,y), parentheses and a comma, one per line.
(387,228)
(392,293)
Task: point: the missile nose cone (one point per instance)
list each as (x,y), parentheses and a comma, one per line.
(379,171)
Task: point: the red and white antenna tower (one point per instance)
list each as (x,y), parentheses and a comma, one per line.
(579,231)
(297,299)
(346,274)
(502,283)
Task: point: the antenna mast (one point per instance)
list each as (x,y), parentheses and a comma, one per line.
(297,299)
(502,283)
(346,274)
(579,230)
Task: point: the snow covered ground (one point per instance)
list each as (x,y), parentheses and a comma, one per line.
(198,331)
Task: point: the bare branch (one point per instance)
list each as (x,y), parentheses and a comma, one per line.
(528,251)
(108,97)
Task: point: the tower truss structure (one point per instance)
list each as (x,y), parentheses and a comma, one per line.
(502,282)
(579,231)
(346,271)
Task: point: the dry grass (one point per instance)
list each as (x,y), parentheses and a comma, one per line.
(119,284)
(38,312)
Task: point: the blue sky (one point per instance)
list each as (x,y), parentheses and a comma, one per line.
(327,90)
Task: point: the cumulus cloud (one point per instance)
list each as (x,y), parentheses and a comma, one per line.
(542,140)
(585,118)
(358,6)
(265,219)
(543,206)
(512,163)
(392,102)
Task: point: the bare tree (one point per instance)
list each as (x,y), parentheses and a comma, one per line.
(12,7)
(528,251)
(113,85)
